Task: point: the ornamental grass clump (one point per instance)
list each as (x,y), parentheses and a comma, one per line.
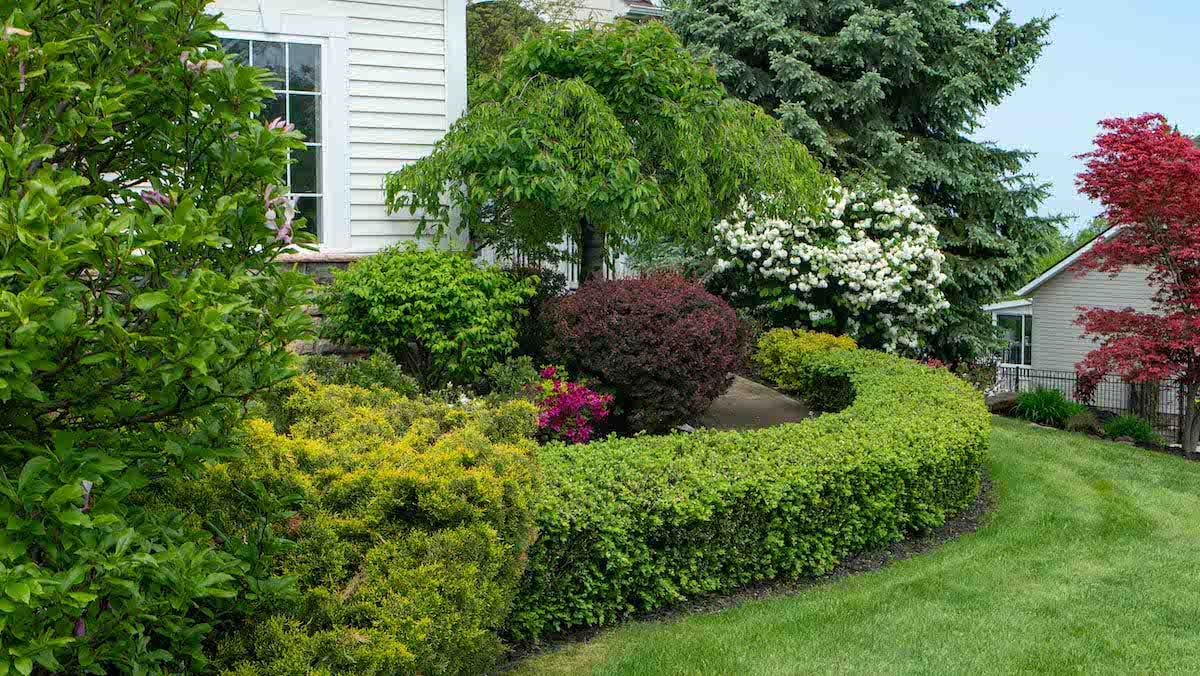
(1047,406)
(141,306)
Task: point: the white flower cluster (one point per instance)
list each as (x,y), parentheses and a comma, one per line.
(871,256)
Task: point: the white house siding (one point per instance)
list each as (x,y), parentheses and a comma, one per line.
(595,10)
(401,72)
(1057,341)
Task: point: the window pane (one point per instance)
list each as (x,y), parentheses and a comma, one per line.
(275,108)
(1028,340)
(238,48)
(269,55)
(304,67)
(1010,327)
(310,209)
(306,172)
(306,115)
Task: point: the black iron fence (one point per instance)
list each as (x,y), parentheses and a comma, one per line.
(1162,404)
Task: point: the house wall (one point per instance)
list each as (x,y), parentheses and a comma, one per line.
(398,81)
(1057,341)
(595,10)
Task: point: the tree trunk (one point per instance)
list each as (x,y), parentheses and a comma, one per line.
(591,250)
(1146,399)
(1190,434)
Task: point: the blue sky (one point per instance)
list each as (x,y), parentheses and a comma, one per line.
(1109,58)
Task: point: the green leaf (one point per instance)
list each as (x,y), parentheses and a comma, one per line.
(74,517)
(72,491)
(17,591)
(147,301)
(31,469)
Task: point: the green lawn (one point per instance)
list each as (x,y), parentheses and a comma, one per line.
(1090,564)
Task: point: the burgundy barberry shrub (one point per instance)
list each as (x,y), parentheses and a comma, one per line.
(662,343)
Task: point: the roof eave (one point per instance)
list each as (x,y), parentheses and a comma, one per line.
(636,10)
(1066,262)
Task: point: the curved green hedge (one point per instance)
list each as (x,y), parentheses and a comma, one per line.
(629,525)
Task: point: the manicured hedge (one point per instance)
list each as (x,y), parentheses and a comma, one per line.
(629,525)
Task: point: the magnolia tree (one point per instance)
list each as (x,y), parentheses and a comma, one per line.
(869,266)
(140,308)
(1147,176)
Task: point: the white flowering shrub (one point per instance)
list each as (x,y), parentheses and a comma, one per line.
(868,267)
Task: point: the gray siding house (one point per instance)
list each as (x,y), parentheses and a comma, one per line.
(1044,342)
(1040,324)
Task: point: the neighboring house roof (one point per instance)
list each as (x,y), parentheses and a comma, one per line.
(1065,263)
(1008,305)
(643,8)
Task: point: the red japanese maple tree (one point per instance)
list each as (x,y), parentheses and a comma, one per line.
(1147,176)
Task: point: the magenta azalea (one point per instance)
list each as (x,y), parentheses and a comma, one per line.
(567,410)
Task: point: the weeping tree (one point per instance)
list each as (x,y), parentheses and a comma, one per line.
(607,136)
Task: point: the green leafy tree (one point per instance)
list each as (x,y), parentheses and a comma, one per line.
(895,89)
(140,307)
(607,135)
(496,26)
(1064,243)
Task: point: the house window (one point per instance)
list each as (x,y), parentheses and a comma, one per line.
(298,99)
(1018,335)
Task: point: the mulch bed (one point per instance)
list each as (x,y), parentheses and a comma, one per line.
(972,519)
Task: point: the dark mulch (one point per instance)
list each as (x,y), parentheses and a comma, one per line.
(972,519)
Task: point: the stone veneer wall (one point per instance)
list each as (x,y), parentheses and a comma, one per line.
(320,267)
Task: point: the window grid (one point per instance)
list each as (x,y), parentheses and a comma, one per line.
(308,203)
(1019,337)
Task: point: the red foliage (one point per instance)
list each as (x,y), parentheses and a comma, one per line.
(1147,176)
(663,343)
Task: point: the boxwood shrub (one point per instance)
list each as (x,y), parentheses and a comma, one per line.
(407,536)
(631,525)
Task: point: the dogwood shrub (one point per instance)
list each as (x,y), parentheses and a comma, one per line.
(869,266)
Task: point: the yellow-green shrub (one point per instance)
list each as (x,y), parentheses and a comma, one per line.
(408,543)
(631,525)
(789,359)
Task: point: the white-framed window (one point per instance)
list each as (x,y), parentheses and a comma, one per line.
(298,100)
(309,57)
(1018,335)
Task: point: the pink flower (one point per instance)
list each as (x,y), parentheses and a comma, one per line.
(284,232)
(156,198)
(203,66)
(568,410)
(280,123)
(10,31)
